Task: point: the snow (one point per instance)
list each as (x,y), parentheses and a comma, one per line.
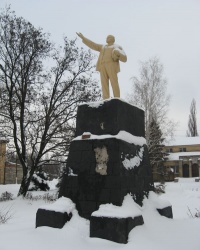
(175,156)
(183,141)
(52,184)
(71,173)
(94,104)
(118,48)
(158,232)
(156,202)
(135,161)
(62,205)
(100,103)
(128,209)
(122,135)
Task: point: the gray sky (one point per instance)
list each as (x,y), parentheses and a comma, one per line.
(168,29)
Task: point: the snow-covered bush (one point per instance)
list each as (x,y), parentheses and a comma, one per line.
(6,196)
(39,182)
(159,188)
(48,198)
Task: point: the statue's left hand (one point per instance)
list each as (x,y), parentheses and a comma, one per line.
(115,55)
(116,52)
(119,54)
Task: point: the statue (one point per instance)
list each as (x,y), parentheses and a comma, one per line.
(108,63)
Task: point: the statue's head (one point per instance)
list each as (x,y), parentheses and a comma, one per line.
(110,39)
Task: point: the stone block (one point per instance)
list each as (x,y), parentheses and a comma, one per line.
(110,117)
(55,214)
(83,145)
(90,184)
(50,218)
(166,211)
(104,195)
(113,229)
(115,196)
(85,208)
(75,156)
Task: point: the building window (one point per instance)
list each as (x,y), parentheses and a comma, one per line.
(182,149)
(169,150)
(176,169)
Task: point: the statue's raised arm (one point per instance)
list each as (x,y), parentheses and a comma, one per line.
(108,63)
(80,35)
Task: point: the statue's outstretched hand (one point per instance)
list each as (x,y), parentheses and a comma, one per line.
(80,35)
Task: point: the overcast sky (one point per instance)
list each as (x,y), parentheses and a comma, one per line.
(168,29)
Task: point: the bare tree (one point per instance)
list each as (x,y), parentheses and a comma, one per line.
(150,93)
(38,107)
(192,123)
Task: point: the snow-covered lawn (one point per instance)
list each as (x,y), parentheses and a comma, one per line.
(158,232)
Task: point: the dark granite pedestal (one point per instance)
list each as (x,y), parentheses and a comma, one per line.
(110,117)
(103,170)
(107,160)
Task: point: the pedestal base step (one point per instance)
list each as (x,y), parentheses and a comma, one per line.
(113,229)
(56,214)
(166,211)
(51,218)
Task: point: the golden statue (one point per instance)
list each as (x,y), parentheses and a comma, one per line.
(108,63)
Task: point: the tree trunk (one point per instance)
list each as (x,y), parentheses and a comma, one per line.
(24,186)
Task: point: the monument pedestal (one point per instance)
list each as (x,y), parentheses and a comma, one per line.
(110,164)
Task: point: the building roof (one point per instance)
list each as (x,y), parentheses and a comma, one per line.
(183,141)
(176,156)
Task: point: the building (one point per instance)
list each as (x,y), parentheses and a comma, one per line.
(13,173)
(10,173)
(184,156)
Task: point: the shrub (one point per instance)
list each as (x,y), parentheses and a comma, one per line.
(5,215)
(39,182)
(194,214)
(46,197)
(6,196)
(160,188)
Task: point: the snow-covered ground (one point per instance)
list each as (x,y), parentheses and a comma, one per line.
(158,232)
